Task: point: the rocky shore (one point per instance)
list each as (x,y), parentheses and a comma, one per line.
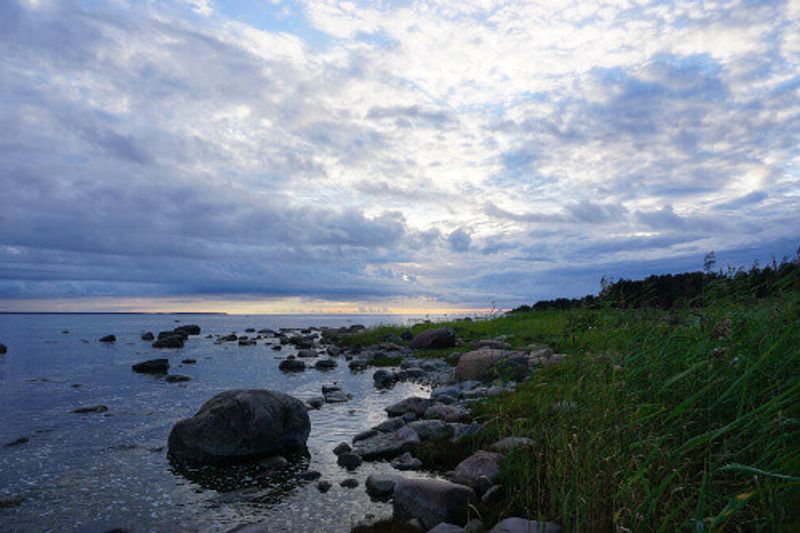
(419,433)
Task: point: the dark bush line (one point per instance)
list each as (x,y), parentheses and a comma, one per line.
(688,289)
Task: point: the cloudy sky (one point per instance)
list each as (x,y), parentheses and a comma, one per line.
(391,155)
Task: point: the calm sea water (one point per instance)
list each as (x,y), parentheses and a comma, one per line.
(97,471)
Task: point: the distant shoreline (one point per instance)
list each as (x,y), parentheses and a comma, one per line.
(105,313)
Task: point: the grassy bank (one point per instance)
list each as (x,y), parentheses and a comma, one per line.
(658,420)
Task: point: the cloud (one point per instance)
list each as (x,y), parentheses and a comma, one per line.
(348,151)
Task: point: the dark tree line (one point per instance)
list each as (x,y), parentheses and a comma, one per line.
(688,289)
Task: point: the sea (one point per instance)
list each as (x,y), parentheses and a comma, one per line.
(61,471)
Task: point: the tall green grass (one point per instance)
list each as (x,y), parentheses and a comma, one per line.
(657,421)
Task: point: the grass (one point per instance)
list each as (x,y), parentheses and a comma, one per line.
(657,420)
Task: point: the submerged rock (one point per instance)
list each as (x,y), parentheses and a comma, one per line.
(169,341)
(325,364)
(177,378)
(384,378)
(108,338)
(291,365)
(3,349)
(431,501)
(189,329)
(349,483)
(148,336)
(90,409)
(153,366)
(240,424)
(316,402)
(18,442)
(324,486)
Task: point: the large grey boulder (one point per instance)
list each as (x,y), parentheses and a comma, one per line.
(387,445)
(520,525)
(431,429)
(434,338)
(414,404)
(240,424)
(431,501)
(479,364)
(478,470)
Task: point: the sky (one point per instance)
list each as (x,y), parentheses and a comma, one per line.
(388,156)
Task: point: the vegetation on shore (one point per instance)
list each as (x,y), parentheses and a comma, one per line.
(659,419)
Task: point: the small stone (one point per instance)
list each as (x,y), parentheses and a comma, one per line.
(90,409)
(291,365)
(109,338)
(324,486)
(349,460)
(153,366)
(341,448)
(17,442)
(177,378)
(148,336)
(189,361)
(349,483)
(310,475)
(316,402)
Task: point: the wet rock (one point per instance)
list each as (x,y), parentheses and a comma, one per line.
(334,351)
(341,448)
(381,485)
(189,361)
(383,378)
(316,402)
(306,353)
(3,349)
(108,338)
(406,462)
(250,330)
(349,460)
(330,388)
(229,338)
(357,365)
(148,336)
(324,486)
(18,442)
(414,404)
(520,525)
(169,341)
(247,342)
(188,329)
(277,347)
(387,445)
(301,342)
(510,444)
(240,424)
(393,424)
(433,339)
(11,502)
(291,365)
(364,435)
(431,501)
(153,366)
(349,483)
(177,378)
(310,475)
(411,374)
(91,409)
(337,396)
(478,470)
(325,364)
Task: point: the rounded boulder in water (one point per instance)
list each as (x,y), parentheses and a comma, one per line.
(240,424)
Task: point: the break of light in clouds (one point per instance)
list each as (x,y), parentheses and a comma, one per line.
(387,155)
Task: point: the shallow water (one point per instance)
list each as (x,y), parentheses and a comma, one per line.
(92,472)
